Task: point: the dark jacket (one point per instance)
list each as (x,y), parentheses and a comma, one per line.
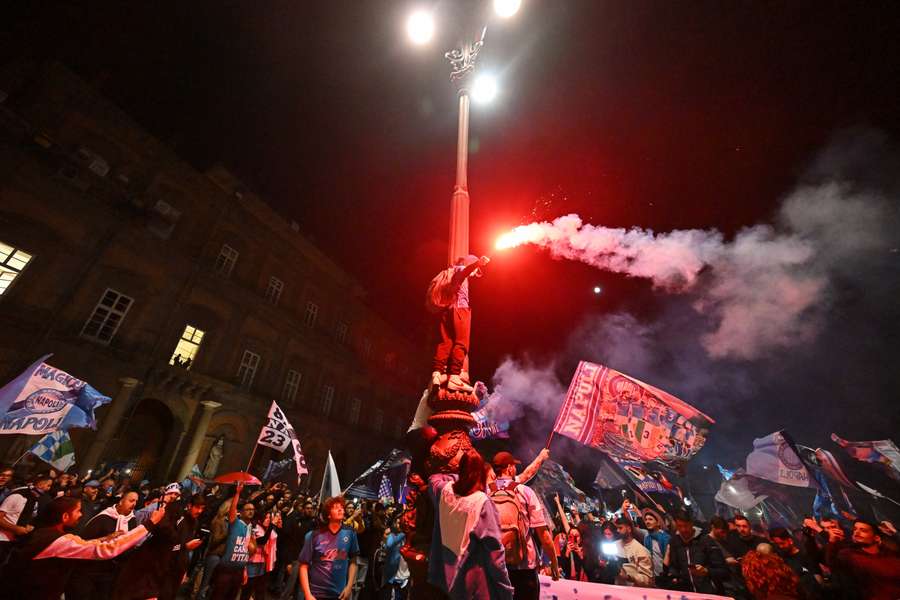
(699,550)
(148,566)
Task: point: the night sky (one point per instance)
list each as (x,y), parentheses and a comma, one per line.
(664,115)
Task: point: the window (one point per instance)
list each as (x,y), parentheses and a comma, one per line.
(378,420)
(186,349)
(291,385)
(107,316)
(390,360)
(355,406)
(273,292)
(226,260)
(12,262)
(367,348)
(247,371)
(312,312)
(340,332)
(327,399)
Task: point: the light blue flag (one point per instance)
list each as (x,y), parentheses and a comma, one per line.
(55,449)
(44,399)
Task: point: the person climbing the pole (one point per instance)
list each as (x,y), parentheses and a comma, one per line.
(448,296)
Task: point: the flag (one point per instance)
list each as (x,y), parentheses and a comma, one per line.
(740,492)
(384,490)
(882,452)
(368,485)
(188,483)
(609,475)
(56,449)
(486,428)
(630,419)
(275,469)
(647,481)
(830,466)
(330,485)
(774,458)
(44,399)
(277,434)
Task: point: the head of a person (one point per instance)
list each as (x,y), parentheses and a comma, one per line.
(866,535)
(625,528)
(248,511)
(42,482)
(782,540)
(575,536)
(126,503)
(91,489)
(609,532)
(829,522)
(64,511)
(765,548)
(742,526)
(171,493)
(767,575)
(472,474)
(504,464)
(718,528)
(652,520)
(6,475)
(309,509)
(108,485)
(334,510)
(196,506)
(684,524)
(153,497)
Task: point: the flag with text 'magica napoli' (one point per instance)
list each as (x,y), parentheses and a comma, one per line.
(629,419)
(43,399)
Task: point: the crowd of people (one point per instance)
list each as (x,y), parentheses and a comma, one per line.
(481,532)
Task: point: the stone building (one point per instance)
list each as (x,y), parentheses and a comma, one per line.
(180,294)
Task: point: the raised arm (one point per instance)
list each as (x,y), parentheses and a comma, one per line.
(531,470)
(72,546)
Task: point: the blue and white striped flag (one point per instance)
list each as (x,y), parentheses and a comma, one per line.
(384,490)
(56,449)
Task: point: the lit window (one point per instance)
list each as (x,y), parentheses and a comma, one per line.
(247,370)
(327,399)
(378,420)
(273,292)
(12,262)
(107,316)
(186,349)
(355,406)
(291,385)
(312,312)
(226,260)
(340,332)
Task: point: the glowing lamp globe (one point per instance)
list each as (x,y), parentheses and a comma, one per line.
(484,89)
(597,289)
(420,27)
(507,8)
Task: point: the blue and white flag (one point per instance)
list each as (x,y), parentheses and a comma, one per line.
(44,399)
(384,490)
(55,449)
(775,459)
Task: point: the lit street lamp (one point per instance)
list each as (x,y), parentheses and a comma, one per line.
(420,27)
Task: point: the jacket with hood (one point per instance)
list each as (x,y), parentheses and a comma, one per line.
(699,550)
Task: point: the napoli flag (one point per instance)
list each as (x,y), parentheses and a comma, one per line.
(775,459)
(44,399)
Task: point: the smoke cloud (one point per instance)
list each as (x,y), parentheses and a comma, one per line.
(797,318)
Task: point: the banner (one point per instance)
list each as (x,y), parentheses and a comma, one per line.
(882,452)
(566,589)
(487,429)
(630,419)
(44,399)
(330,485)
(55,449)
(277,434)
(648,481)
(774,458)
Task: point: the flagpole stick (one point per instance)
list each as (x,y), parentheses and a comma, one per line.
(252,454)
(20,458)
(550,439)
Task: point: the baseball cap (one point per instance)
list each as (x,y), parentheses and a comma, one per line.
(502,459)
(172,488)
(92,483)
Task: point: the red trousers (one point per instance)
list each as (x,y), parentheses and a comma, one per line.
(453,340)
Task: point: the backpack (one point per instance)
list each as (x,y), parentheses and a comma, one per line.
(513,524)
(441,291)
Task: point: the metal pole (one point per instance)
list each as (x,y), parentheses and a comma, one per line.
(459,202)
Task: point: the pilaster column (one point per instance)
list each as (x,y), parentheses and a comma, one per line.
(111,422)
(190,458)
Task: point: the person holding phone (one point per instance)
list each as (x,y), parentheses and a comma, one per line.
(694,561)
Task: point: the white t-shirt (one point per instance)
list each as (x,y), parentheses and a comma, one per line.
(12,507)
(534,516)
(637,564)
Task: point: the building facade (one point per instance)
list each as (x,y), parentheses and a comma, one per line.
(180,294)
